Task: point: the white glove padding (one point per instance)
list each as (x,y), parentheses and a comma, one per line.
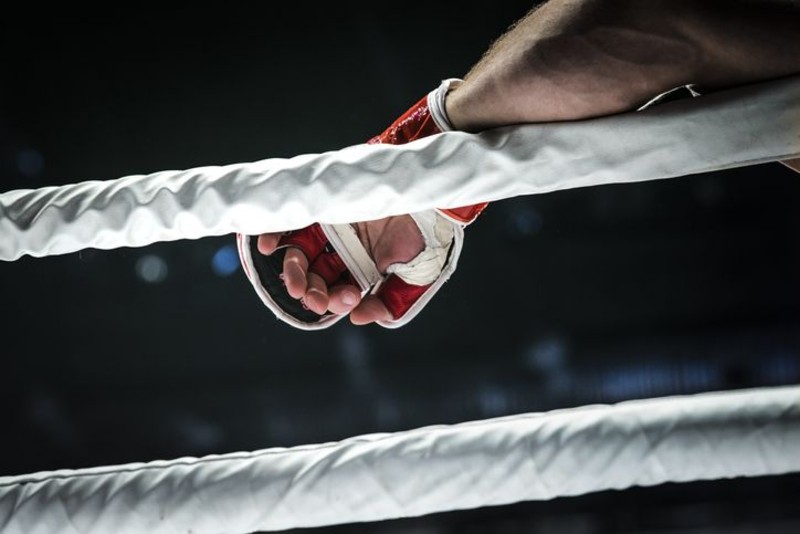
(336,253)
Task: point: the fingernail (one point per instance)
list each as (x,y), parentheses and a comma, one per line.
(348,299)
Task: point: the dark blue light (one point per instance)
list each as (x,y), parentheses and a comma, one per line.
(225,261)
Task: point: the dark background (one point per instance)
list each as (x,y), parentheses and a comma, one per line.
(585,296)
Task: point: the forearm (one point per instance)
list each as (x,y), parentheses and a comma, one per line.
(574,59)
(793,164)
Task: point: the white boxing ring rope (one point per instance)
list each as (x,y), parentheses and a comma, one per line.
(435,469)
(537,456)
(744,126)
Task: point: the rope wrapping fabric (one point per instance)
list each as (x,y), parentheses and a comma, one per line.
(738,127)
(536,456)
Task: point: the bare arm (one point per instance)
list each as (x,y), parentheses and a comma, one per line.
(574,59)
(793,164)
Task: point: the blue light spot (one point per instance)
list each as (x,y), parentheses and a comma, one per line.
(699,376)
(524,222)
(781,368)
(152,269)
(225,261)
(546,355)
(647,380)
(493,400)
(30,162)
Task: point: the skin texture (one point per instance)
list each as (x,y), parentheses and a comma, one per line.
(576,59)
(793,164)
(389,240)
(572,60)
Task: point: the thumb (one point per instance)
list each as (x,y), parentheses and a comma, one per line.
(370,310)
(393,300)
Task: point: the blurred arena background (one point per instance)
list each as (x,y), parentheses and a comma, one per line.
(586,296)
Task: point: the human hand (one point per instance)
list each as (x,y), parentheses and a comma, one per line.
(322,285)
(383,271)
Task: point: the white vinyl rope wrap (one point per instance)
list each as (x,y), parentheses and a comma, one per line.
(744,126)
(536,456)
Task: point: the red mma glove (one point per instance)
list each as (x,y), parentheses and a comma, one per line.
(335,252)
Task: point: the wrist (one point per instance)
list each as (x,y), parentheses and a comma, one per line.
(437,104)
(471,108)
(456,110)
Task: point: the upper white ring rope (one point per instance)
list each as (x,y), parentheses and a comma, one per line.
(533,456)
(744,126)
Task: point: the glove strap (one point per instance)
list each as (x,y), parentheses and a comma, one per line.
(466,214)
(436,107)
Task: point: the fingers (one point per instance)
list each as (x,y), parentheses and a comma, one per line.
(310,283)
(295,267)
(316,296)
(311,287)
(343,298)
(370,310)
(267,243)
(304,284)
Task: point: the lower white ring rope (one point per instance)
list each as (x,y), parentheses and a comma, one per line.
(535,456)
